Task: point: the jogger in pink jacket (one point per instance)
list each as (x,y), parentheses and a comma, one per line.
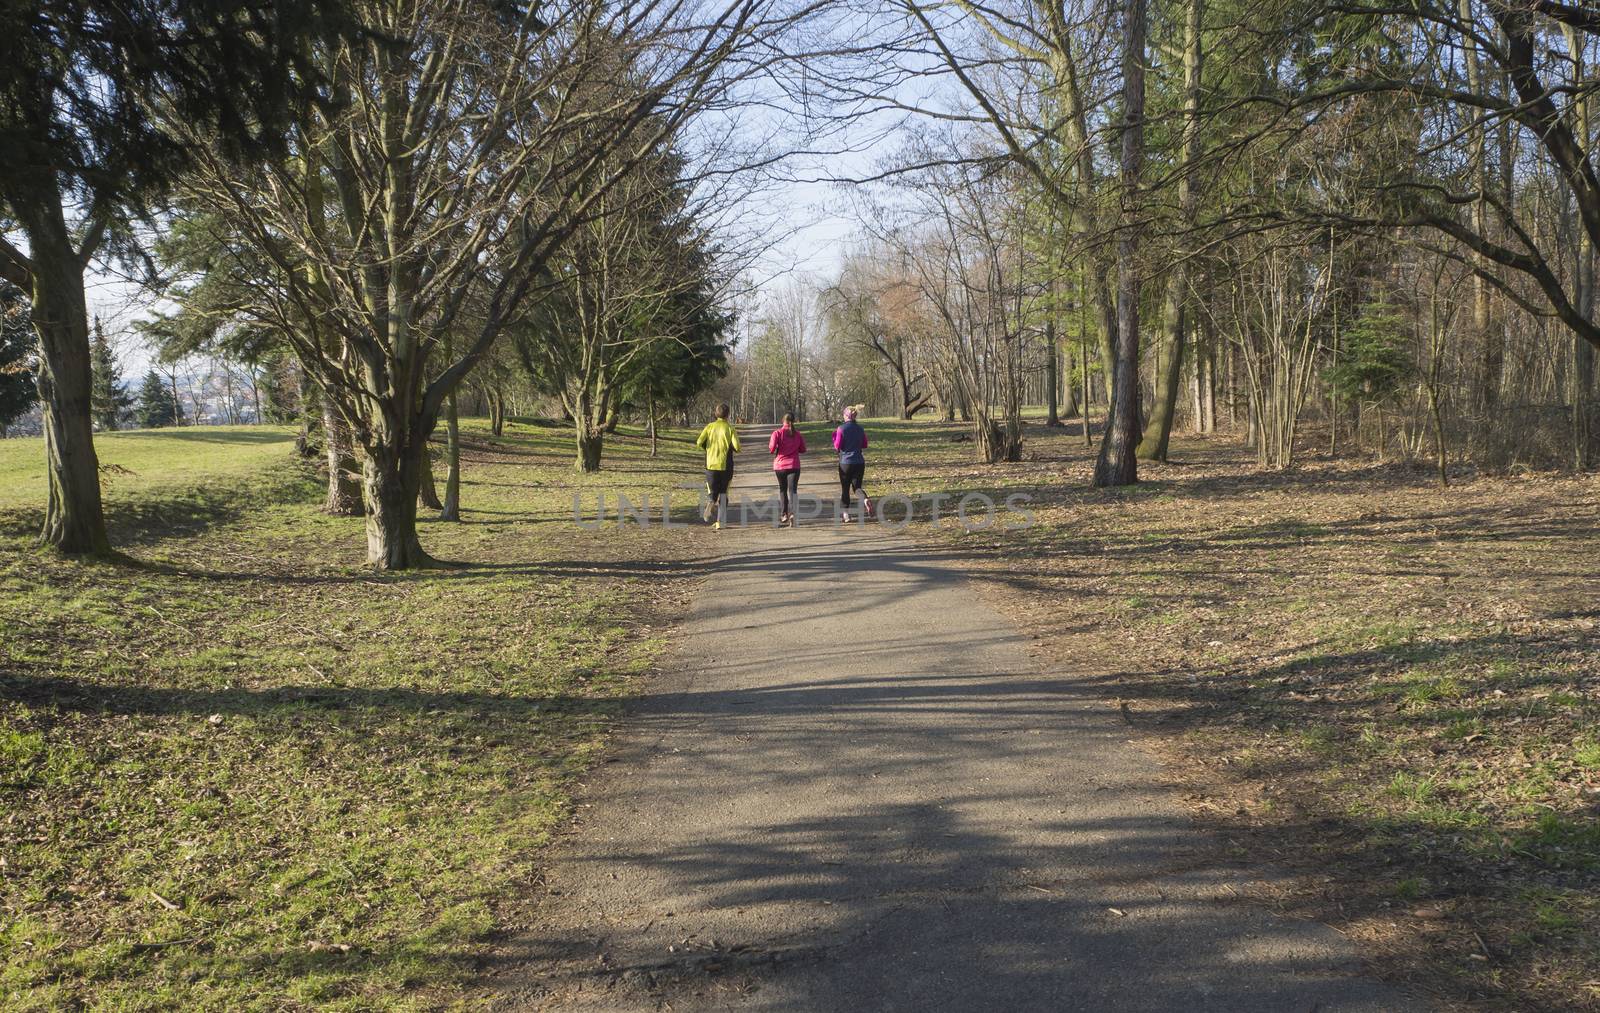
(786,445)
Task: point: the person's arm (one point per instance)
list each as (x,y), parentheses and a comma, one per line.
(863,439)
(733,439)
(772,442)
(802,441)
(700,441)
(836,433)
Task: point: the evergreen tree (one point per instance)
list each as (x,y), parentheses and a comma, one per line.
(1374,361)
(109,400)
(83,154)
(157,406)
(18,389)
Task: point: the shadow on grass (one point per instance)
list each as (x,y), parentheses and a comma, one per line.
(356,709)
(161,514)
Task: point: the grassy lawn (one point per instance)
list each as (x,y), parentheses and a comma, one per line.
(1392,688)
(239,771)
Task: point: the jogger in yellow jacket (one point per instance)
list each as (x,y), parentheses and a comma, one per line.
(720,441)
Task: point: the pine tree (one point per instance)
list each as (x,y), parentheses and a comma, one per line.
(108,399)
(157,406)
(1375,360)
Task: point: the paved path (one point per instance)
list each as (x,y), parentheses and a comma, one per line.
(857,791)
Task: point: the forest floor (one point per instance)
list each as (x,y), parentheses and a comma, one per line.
(240,771)
(1390,688)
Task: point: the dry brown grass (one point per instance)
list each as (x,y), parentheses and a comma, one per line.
(1387,685)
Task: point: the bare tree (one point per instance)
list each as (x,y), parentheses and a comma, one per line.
(427,201)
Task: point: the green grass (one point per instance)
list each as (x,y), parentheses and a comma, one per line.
(134,465)
(239,771)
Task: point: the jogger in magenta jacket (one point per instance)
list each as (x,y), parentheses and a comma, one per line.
(786,445)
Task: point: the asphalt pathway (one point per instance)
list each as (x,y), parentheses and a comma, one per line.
(856,790)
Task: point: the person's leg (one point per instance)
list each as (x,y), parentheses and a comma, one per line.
(844,487)
(794,492)
(859,476)
(724,480)
(710,508)
(783,494)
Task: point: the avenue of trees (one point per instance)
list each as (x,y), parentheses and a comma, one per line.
(1376,220)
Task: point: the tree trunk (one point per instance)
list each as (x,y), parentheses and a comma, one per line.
(1117,463)
(997,442)
(589,448)
(1106,304)
(303,444)
(1052,391)
(344,490)
(903,380)
(1582,351)
(497,411)
(452,479)
(427,489)
(650,408)
(1491,363)
(74,518)
(1197,380)
(392,482)
(1158,431)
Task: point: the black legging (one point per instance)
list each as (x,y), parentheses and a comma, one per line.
(850,478)
(788,488)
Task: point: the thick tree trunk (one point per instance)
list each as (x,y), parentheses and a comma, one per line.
(344,489)
(1069,393)
(391,480)
(1117,464)
(590,446)
(74,518)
